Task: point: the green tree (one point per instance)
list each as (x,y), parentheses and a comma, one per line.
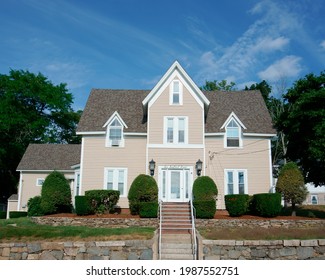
(303,123)
(291,185)
(32,109)
(217,86)
(264,88)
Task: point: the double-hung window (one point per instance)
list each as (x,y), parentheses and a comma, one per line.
(176,94)
(116,179)
(232,133)
(115,134)
(175,130)
(236,182)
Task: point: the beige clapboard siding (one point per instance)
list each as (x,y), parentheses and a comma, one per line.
(96,157)
(253,157)
(161,108)
(29,188)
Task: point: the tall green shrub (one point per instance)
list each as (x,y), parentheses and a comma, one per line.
(83,205)
(56,194)
(143,189)
(267,204)
(204,197)
(237,204)
(34,206)
(103,200)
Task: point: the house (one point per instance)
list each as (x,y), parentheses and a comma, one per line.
(177,129)
(316,195)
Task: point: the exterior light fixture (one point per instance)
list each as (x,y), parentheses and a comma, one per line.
(152,165)
(198,167)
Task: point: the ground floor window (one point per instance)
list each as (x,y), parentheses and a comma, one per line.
(314,199)
(116,179)
(236,181)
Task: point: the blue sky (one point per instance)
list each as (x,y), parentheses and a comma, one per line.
(129,44)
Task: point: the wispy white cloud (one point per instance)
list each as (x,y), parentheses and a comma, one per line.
(322,44)
(288,67)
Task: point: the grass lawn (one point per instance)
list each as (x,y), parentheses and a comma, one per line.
(24,230)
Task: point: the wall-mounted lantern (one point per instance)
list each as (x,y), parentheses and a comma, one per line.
(198,167)
(152,165)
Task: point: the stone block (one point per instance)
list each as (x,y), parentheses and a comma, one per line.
(117,256)
(71,251)
(5,252)
(258,253)
(34,248)
(146,254)
(94,251)
(291,243)
(321,242)
(234,254)
(251,242)
(305,253)
(274,254)
(33,257)
(52,246)
(133,256)
(225,242)
(15,256)
(212,258)
(309,243)
(46,255)
(288,251)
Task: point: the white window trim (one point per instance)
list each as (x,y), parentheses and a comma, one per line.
(171,93)
(239,132)
(38,183)
(235,177)
(108,142)
(115,178)
(175,130)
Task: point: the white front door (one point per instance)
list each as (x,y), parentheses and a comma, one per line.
(175,183)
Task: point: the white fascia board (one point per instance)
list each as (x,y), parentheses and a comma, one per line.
(112,117)
(45,171)
(175,69)
(266,135)
(91,133)
(233,116)
(214,134)
(135,133)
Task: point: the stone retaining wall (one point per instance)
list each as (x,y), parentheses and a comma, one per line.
(252,223)
(262,249)
(96,222)
(100,250)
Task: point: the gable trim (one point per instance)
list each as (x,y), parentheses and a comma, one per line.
(118,117)
(233,116)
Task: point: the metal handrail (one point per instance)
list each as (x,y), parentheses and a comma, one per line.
(193,214)
(160,222)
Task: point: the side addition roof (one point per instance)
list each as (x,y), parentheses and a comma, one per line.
(50,157)
(249,107)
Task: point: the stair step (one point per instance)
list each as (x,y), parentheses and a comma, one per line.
(176,246)
(177,251)
(177,257)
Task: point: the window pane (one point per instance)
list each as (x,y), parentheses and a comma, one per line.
(110,175)
(115,123)
(230,182)
(241,183)
(115,134)
(170,130)
(164,185)
(175,98)
(175,184)
(233,132)
(181,130)
(176,86)
(121,181)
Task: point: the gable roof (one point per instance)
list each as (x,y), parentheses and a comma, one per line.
(50,157)
(103,103)
(249,107)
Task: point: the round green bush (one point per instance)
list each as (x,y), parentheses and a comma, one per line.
(267,204)
(204,188)
(205,209)
(56,194)
(237,204)
(102,201)
(148,209)
(143,189)
(34,206)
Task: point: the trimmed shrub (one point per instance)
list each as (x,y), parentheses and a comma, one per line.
(143,189)
(148,209)
(34,206)
(102,201)
(204,197)
(17,214)
(205,209)
(267,204)
(237,204)
(3,215)
(204,188)
(56,194)
(83,205)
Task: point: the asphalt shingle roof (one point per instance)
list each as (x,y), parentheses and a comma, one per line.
(50,157)
(248,106)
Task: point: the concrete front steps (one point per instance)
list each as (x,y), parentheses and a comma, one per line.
(176,232)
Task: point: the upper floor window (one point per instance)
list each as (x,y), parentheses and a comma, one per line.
(175,130)
(115,134)
(232,134)
(176,96)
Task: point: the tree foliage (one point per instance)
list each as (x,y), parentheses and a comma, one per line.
(303,123)
(32,110)
(291,184)
(218,86)
(264,88)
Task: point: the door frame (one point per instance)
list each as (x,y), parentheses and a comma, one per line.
(164,182)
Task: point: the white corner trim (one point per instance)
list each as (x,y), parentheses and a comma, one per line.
(20,190)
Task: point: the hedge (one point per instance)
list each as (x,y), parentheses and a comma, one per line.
(237,204)
(148,209)
(17,214)
(34,206)
(83,205)
(267,204)
(204,188)
(3,214)
(103,200)
(205,209)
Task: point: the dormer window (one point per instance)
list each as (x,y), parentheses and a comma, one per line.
(176,96)
(232,133)
(114,134)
